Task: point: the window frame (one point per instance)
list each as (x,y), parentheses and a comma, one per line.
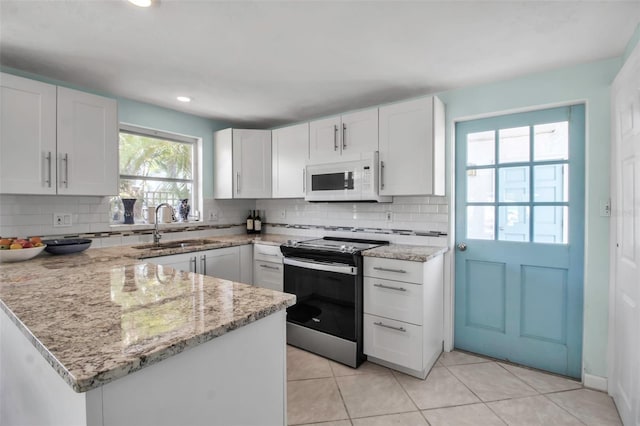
(196,166)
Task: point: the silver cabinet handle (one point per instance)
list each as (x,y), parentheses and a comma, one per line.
(304,179)
(344,136)
(66,170)
(335,137)
(267,254)
(203,264)
(390,287)
(192,264)
(237,182)
(269,267)
(399,271)
(48,158)
(381,324)
(381,174)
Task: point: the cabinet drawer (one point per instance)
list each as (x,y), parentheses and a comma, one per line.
(267,253)
(268,275)
(393,299)
(393,341)
(392,269)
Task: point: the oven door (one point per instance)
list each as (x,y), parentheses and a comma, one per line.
(326,296)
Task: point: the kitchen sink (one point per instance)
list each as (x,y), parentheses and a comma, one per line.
(175,244)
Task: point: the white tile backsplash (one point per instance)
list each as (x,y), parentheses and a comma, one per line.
(27,215)
(412,213)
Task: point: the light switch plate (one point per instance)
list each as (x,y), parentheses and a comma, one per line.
(605,208)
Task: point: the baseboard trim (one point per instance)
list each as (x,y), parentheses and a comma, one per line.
(595,382)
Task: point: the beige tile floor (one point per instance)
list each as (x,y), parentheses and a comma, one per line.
(461,389)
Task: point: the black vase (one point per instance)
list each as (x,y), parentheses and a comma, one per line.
(128,210)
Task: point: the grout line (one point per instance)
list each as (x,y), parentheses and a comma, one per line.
(496,414)
(344,404)
(520,379)
(464,384)
(563,409)
(393,373)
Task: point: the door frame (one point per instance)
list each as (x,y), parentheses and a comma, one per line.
(450,260)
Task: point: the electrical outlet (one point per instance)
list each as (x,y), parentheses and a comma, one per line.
(389,216)
(61,219)
(282,214)
(213,216)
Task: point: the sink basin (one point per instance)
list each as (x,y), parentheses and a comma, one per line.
(175,244)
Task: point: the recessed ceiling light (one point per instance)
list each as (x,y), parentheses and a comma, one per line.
(141,3)
(184,98)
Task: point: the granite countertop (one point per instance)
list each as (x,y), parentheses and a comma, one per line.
(102,314)
(406,252)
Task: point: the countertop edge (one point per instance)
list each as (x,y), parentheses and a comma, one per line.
(384,253)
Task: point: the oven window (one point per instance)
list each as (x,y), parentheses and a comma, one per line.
(326,301)
(332,181)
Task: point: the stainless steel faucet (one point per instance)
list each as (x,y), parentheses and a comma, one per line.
(156,231)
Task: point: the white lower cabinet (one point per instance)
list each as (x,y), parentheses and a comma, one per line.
(268,271)
(403,313)
(220,263)
(396,342)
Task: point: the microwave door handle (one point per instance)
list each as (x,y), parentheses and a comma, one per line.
(381,174)
(304,180)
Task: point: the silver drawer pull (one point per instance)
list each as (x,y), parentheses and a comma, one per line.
(267,254)
(390,287)
(269,267)
(380,324)
(399,271)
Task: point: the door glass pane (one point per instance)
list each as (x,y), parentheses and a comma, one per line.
(551,224)
(513,223)
(513,184)
(551,141)
(481,148)
(551,183)
(481,185)
(480,222)
(514,145)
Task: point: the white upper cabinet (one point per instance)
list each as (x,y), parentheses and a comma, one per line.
(87,144)
(290,151)
(343,136)
(56,140)
(242,160)
(27,136)
(412,159)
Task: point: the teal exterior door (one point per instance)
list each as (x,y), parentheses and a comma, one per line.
(520,238)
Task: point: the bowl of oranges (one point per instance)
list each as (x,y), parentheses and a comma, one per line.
(19,249)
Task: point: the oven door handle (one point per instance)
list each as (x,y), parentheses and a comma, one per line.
(321,266)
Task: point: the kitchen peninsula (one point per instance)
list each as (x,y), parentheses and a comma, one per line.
(103,338)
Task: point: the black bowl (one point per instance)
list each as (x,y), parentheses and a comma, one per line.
(66,245)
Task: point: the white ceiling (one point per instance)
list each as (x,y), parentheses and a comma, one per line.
(266,63)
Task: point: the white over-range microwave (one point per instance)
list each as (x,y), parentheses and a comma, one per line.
(351,180)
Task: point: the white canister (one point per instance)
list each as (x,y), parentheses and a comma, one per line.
(149,213)
(166,214)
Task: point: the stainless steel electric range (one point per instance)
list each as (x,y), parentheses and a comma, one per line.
(325,274)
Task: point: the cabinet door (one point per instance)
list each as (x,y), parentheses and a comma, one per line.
(359,132)
(252,163)
(268,275)
(246,264)
(223,164)
(290,151)
(325,139)
(181,262)
(87,144)
(27,136)
(220,263)
(411,148)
